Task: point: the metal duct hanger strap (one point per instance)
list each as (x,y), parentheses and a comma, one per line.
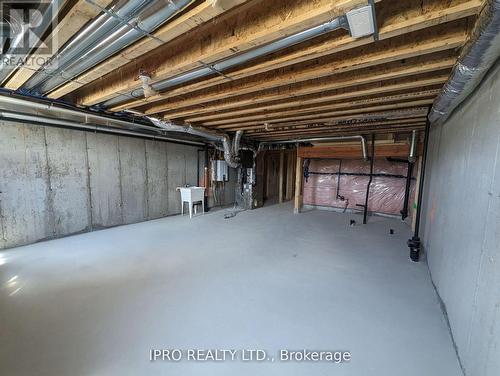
(360,22)
(104,37)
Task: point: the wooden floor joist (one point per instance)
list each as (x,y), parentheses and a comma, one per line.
(332,84)
(359,58)
(411,67)
(336,45)
(201,14)
(77,17)
(259,24)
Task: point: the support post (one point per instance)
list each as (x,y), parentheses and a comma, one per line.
(372,160)
(281,177)
(409,173)
(298,185)
(414,243)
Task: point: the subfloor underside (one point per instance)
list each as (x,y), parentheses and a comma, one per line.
(97,303)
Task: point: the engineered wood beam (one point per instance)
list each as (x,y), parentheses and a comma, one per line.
(358,118)
(354,151)
(352,132)
(308,129)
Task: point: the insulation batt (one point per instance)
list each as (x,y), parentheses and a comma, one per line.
(386,193)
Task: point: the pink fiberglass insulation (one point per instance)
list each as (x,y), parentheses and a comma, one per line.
(386,193)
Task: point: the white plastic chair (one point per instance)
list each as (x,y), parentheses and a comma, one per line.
(192,195)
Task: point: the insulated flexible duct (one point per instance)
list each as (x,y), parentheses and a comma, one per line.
(477,57)
(231,149)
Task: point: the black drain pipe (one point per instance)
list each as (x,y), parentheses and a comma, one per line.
(414,243)
(409,173)
(372,159)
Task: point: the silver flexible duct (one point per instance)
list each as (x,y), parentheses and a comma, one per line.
(231,149)
(477,57)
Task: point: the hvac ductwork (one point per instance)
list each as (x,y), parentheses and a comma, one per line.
(223,65)
(43,17)
(115,29)
(477,57)
(231,149)
(362,139)
(37,119)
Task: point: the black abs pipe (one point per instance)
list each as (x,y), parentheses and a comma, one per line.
(372,160)
(409,173)
(414,243)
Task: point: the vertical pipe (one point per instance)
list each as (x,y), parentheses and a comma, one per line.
(372,159)
(338,178)
(412,157)
(414,243)
(409,173)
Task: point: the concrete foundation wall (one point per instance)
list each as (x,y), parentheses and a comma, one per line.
(56,182)
(461,225)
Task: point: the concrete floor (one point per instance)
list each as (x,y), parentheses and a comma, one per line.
(96,303)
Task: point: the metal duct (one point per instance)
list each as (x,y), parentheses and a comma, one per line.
(37,119)
(362,139)
(412,157)
(477,57)
(47,11)
(231,149)
(98,30)
(234,60)
(15,102)
(111,44)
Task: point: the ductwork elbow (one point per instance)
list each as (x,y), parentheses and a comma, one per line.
(230,156)
(231,149)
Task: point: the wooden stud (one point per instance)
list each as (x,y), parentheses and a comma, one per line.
(298,185)
(281,176)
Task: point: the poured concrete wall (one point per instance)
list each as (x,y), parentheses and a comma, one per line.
(56,182)
(461,225)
